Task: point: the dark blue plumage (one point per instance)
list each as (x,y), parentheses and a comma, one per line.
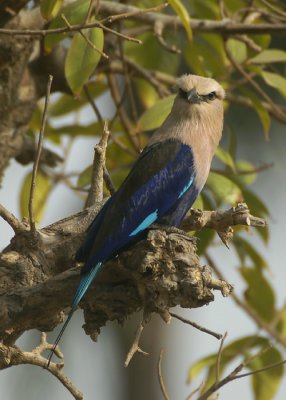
(160,188)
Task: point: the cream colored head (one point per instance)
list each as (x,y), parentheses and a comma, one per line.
(196,119)
(202,86)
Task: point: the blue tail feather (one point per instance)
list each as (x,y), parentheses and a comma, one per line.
(84,284)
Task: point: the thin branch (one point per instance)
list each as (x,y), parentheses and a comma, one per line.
(71,28)
(36,163)
(225,26)
(217,369)
(10,218)
(135,345)
(108,182)
(12,356)
(257,371)
(93,105)
(190,396)
(221,220)
(118,100)
(119,11)
(233,375)
(96,188)
(254,84)
(160,376)
(89,42)
(245,102)
(158,32)
(131,12)
(197,326)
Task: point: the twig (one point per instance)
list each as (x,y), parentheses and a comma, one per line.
(233,375)
(221,220)
(108,182)
(158,32)
(71,28)
(96,188)
(217,369)
(245,102)
(253,83)
(12,356)
(93,105)
(135,345)
(115,93)
(249,42)
(197,326)
(133,12)
(10,218)
(89,42)
(190,396)
(36,163)
(161,380)
(149,76)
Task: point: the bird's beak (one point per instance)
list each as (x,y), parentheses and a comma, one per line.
(193,96)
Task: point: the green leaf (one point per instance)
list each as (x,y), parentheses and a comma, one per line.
(42,190)
(199,366)
(269,56)
(237,49)
(67,104)
(93,129)
(182,12)
(229,353)
(75,13)
(50,8)
(225,158)
(259,294)
(199,203)
(151,55)
(244,249)
(276,81)
(224,189)
(82,59)
(155,115)
(266,384)
(262,113)
(205,55)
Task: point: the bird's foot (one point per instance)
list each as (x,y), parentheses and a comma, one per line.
(173,230)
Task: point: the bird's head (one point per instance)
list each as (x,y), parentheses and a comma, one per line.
(194,89)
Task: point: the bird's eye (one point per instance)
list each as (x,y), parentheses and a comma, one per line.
(211,96)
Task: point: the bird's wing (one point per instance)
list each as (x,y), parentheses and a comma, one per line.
(163,174)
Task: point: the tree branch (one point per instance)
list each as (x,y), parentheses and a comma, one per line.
(12,356)
(96,189)
(38,156)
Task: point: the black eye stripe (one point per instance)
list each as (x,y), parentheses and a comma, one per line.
(205,97)
(210,96)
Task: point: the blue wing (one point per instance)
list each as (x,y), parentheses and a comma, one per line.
(160,188)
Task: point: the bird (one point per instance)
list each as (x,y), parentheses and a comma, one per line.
(163,183)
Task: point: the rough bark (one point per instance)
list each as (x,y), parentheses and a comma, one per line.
(39,277)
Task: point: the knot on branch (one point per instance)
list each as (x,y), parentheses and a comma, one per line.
(155,274)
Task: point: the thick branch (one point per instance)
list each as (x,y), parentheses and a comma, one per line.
(154,274)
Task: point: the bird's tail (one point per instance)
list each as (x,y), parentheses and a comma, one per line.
(84,284)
